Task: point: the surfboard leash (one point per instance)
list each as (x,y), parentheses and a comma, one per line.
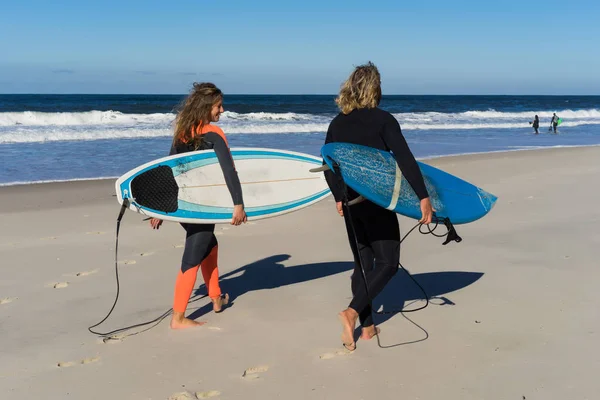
(451,235)
(156,321)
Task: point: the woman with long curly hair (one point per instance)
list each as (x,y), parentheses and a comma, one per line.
(362,122)
(195,130)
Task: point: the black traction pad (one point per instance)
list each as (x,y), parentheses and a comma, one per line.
(156,189)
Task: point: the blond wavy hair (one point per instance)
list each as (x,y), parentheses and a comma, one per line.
(195,111)
(362,89)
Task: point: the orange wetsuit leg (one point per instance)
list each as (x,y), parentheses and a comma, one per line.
(210,273)
(183,288)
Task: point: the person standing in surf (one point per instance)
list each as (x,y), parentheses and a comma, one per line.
(553,123)
(194,130)
(536,124)
(362,122)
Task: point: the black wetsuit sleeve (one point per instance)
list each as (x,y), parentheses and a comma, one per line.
(180,148)
(226,161)
(394,140)
(334,181)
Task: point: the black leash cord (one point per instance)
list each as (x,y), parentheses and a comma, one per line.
(155,321)
(363,273)
(451,235)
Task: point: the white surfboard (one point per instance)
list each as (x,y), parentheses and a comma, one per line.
(190,187)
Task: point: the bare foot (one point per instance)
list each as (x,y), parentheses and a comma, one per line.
(348,319)
(220,302)
(180,322)
(368,332)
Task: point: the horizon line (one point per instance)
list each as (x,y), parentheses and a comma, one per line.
(289,94)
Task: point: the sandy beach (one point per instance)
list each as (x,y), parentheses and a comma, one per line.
(513,313)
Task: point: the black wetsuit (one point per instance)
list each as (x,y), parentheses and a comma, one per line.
(554,123)
(200,238)
(377,229)
(536,124)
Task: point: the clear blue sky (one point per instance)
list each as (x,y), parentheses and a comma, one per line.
(420,46)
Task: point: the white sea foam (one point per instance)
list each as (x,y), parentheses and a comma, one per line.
(263,116)
(34,118)
(492,119)
(30,127)
(53,134)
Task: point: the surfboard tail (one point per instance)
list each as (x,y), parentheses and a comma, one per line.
(487,199)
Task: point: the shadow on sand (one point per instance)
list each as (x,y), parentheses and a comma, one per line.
(270,273)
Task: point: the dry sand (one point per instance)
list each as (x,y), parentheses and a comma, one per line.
(514,311)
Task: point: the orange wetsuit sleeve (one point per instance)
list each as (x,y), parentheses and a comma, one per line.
(215,129)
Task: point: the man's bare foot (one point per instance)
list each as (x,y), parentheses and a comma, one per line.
(220,302)
(368,332)
(180,322)
(348,319)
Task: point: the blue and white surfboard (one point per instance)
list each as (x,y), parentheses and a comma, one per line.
(190,187)
(376,176)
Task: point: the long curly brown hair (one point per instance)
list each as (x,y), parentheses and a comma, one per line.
(195,111)
(362,89)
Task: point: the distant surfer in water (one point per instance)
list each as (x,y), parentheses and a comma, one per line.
(377,231)
(554,122)
(194,130)
(536,124)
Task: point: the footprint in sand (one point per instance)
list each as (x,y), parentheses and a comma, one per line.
(113,339)
(64,364)
(86,273)
(178,246)
(89,360)
(182,396)
(128,262)
(253,373)
(333,354)
(7,300)
(149,253)
(58,285)
(207,395)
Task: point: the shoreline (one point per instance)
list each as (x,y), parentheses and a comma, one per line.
(435,157)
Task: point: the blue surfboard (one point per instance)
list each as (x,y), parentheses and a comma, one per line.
(375,175)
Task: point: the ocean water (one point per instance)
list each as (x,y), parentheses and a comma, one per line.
(68,137)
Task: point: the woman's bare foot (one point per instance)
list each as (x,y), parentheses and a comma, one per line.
(368,332)
(220,302)
(348,319)
(179,321)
